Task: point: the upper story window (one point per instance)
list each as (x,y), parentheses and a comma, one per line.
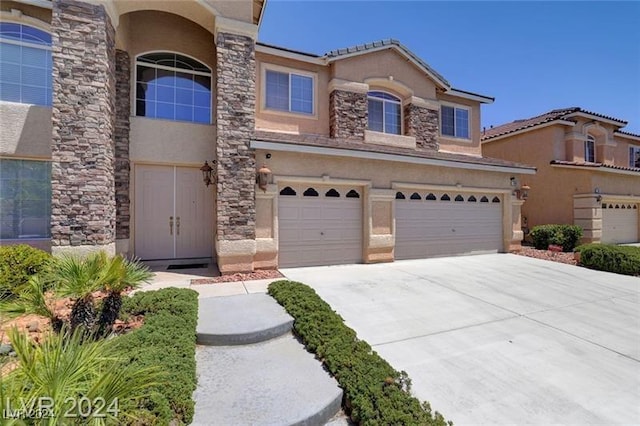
(25,64)
(634,156)
(590,149)
(173,87)
(288,92)
(455,121)
(385,113)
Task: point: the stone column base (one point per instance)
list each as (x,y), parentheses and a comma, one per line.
(235,256)
(266,254)
(84,250)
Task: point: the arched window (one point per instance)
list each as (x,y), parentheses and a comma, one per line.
(385,113)
(590,149)
(472,199)
(495,200)
(459,198)
(484,199)
(25,64)
(445,197)
(173,87)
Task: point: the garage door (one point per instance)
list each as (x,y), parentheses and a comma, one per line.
(619,223)
(441,224)
(319,226)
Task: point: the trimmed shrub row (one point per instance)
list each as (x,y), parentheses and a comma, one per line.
(17,264)
(375,393)
(167,340)
(566,236)
(611,258)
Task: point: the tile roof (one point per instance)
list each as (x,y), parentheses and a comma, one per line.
(327,142)
(594,165)
(635,135)
(554,115)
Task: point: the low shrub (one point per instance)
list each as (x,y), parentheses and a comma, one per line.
(17,264)
(375,393)
(566,236)
(611,258)
(168,340)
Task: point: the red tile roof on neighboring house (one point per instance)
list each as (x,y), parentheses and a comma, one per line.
(327,142)
(564,114)
(594,165)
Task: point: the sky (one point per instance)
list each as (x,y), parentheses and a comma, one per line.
(532,57)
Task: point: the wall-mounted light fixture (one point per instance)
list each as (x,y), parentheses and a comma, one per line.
(263,177)
(524,191)
(599,198)
(513,181)
(207,173)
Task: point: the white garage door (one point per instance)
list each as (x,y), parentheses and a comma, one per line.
(319,226)
(619,223)
(441,224)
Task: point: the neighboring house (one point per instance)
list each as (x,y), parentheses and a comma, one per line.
(372,155)
(588,171)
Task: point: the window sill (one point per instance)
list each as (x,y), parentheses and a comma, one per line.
(289,114)
(388,139)
(166,120)
(455,139)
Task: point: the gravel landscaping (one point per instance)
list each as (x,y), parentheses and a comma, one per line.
(553,256)
(257,275)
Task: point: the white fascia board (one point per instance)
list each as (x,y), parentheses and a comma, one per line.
(39,3)
(631,137)
(528,129)
(470,96)
(597,169)
(596,118)
(368,155)
(268,50)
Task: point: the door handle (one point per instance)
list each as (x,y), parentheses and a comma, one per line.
(178,225)
(170,225)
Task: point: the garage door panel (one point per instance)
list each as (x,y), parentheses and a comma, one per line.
(619,225)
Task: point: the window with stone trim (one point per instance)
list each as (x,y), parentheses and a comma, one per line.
(288,92)
(25,64)
(385,113)
(590,149)
(25,199)
(634,156)
(171,86)
(454,121)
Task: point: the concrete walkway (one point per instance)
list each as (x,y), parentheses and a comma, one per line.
(499,339)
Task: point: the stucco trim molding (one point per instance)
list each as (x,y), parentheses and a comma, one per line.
(19,17)
(391,84)
(450,188)
(432,104)
(232,26)
(323,180)
(381,241)
(379,138)
(377,194)
(236,247)
(347,86)
(83,250)
(597,169)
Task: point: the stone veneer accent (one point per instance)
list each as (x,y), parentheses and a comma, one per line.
(83,206)
(422,123)
(235,119)
(348,114)
(121,138)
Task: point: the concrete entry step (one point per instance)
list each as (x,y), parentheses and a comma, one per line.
(269,383)
(241,320)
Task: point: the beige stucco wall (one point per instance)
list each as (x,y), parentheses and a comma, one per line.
(461,145)
(27,10)
(616,183)
(290,122)
(621,151)
(25,130)
(171,142)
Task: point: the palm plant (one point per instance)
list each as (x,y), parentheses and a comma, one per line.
(31,298)
(124,274)
(65,369)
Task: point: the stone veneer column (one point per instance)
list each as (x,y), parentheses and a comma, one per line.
(83,206)
(348,114)
(235,120)
(422,123)
(121,139)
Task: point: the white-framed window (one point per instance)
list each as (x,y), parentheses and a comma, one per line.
(172,86)
(634,156)
(25,199)
(25,64)
(455,121)
(590,149)
(288,91)
(385,113)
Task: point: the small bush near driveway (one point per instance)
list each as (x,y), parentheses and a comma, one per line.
(611,258)
(566,236)
(17,264)
(375,393)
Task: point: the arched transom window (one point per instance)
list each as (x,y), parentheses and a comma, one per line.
(173,87)
(25,64)
(385,113)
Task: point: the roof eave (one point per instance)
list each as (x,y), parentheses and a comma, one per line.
(528,129)
(470,96)
(596,117)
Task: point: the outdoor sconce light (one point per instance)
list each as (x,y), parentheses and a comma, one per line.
(599,198)
(513,181)
(207,173)
(524,191)
(264,174)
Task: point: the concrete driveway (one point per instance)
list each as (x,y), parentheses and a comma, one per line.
(498,338)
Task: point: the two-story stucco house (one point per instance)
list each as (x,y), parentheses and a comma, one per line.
(110,108)
(588,171)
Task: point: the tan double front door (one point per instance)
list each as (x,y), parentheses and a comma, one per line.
(173,213)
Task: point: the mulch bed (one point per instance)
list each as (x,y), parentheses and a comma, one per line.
(548,255)
(257,275)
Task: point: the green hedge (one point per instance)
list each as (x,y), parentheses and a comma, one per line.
(567,236)
(17,264)
(611,258)
(168,340)
(375,393)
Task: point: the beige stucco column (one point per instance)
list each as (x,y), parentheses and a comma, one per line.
(587,213)
(266,256)
(516,234)
(379,226)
